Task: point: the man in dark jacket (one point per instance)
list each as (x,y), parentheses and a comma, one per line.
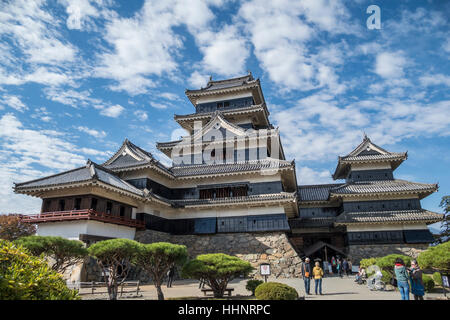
(307,274)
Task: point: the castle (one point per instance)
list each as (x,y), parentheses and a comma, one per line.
(230,189)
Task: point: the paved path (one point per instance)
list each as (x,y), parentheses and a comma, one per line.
(333,288)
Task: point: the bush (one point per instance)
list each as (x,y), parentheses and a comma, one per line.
(252,285)
(428,282)
(63,252)
(217,269)
(365,263)
(26,277)
(115,257)
(437,278)
(275,291)
(437,257)
(157,258)
(387,263)
(386,276)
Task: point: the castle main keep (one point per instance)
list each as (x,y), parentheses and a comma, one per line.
(231,189)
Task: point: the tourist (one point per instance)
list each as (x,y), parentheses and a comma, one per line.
(170,276)
(417,287)
(345,266)
(333,264)
(361,275)
(202,283)
(318,275)
(307,274)
(339,267)
(350,266)
(402,278)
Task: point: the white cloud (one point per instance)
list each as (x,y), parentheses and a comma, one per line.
(14,102)
(390,64)
(95,133)
(80,13)
(141,115)
(306,175)
(435,79)
(112,111)
(198,80)
(158,105)
(320,127)
(224,52)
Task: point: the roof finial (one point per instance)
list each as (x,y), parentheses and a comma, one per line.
(250,74)
(365,136)
(210,78)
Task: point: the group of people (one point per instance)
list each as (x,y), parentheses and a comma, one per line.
(309,273)
(406,276)
(338,266)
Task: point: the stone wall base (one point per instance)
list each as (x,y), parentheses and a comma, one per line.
(256,248)
(358,252)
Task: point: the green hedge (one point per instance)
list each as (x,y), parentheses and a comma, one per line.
(437,278)
(365,263)
(428,282)
(26,277)
(275,291)
(252,285)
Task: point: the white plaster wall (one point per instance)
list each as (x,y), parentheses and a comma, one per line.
(380,227)
(370,166)
(73,229)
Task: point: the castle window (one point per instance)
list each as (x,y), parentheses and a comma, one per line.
(219,105)
(122,211)
(62,204)
(108,207)
(226,104)
(94,202)
(77,205)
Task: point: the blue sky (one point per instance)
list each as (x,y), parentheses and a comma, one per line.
(78,77)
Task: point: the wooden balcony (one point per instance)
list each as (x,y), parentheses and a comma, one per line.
(86,214)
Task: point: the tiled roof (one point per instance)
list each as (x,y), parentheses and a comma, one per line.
(225,112)
(224,84)
(125,161)
(388,216)
(381,186)
(203,169)
(90,172)
(252,198)
(319,192)
(389,156)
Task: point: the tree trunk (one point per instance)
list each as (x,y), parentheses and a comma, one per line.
(160,293)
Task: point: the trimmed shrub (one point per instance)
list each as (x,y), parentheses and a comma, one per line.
(386,276)
(387,263)
(365,263)
(275,291)
(437,278)
(217,269)
(428,282)
(26,277)
(437,257)
(252,285)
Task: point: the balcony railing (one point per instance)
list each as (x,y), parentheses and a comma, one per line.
(87,214)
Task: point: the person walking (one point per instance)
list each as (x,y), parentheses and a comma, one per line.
(345,267)
(333,264)
(170,275)
(402,278)
(415,276)
(339,267)
(307,274)
(318,275)
(350,266)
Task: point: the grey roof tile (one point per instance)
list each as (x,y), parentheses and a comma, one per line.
(319,192)
(389,216)
(380,186)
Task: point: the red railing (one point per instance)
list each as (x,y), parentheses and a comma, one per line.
(87,214)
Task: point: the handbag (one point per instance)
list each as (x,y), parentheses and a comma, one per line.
(307,274)
(393,282)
